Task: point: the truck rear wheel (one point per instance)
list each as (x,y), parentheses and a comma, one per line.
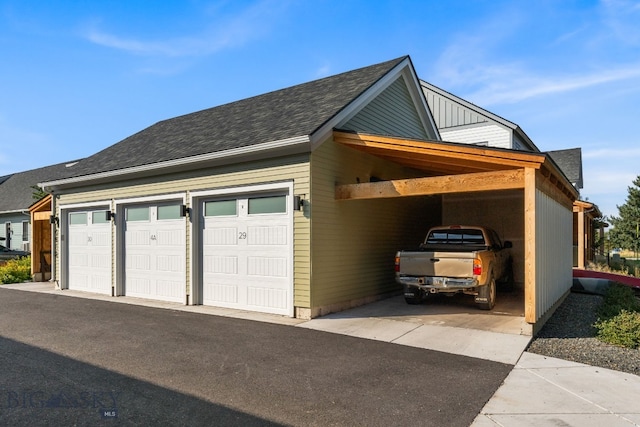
(486,298)
(414,296)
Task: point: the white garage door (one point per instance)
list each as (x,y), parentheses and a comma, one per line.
(89,251)
(155,250)
(247,254)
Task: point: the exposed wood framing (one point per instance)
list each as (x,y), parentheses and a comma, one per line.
(530,245)
(439,155)
(464,183)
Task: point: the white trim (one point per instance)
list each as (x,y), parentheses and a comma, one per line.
(185,161)
(324,132)
(84,205)
(148,199)
(253,188)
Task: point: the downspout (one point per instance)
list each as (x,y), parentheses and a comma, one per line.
(53,242)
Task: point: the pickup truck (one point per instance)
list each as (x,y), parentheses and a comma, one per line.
(453,259)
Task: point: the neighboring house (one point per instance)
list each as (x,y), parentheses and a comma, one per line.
(570,161)
(294,202)
(461,121)
(16,195)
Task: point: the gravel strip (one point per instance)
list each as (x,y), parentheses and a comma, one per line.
(569,335)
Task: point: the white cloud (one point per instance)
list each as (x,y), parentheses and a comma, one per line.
(525,85)
(250,23)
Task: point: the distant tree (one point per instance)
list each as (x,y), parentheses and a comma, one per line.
(38,193)
(625,233)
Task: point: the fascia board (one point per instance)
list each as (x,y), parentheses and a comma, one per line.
(295,145)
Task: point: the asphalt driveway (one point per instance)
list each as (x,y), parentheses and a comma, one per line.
(73,361)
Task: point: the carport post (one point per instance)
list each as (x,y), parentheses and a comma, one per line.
(530,245)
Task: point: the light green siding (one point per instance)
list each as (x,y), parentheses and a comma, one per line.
(390,113)
(294,168)
(353,242)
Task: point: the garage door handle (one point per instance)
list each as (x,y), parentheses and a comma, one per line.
(435,259)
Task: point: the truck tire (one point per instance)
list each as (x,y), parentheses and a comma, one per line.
(507,283)
(414,296)
(487,295)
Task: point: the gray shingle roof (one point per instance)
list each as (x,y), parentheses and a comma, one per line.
(16,192)
(570,163)
(295,111)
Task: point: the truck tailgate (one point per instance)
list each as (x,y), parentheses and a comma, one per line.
(437,264)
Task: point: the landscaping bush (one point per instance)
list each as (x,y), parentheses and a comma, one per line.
(619,317)
(622,330)
(16,271)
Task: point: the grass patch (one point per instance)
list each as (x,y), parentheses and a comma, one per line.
(16,271)
(619,317)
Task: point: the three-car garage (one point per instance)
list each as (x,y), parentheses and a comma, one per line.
(226,249)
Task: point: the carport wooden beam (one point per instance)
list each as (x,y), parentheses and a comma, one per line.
(464,183)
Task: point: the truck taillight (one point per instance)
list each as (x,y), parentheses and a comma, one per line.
(397,267)
(477,267)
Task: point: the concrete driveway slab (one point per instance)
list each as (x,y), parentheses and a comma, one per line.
(543,390)
(503,348)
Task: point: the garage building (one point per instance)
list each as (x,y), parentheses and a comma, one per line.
(294,202)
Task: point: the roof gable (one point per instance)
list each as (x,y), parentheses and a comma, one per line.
(392,112)
(276,116)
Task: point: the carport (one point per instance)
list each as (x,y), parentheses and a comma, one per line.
(525,193)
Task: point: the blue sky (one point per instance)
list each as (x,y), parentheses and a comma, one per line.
(77,77)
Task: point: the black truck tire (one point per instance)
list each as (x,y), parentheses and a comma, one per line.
(487,296)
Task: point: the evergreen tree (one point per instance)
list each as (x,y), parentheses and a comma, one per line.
(626,227)
(37,193)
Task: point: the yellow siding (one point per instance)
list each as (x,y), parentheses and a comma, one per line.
(294,168)
(353,243)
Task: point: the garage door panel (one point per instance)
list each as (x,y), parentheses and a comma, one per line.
(138,262)
(101,261)
(99,283)
(138,287)
(266,297)
(170,289)
(219,293)
(172,238)
(79,260)
(101,238)
(221,264)
(137,237)
(269,267)
(267,235)
(221,236)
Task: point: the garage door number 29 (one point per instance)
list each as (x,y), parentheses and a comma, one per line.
(242,235)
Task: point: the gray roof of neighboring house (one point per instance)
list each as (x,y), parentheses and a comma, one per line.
(570,163)
(295,111)
(16,192)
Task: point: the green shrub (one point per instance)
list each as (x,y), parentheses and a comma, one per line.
(617,298)
(16,271)
(619,317)
(622,330)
